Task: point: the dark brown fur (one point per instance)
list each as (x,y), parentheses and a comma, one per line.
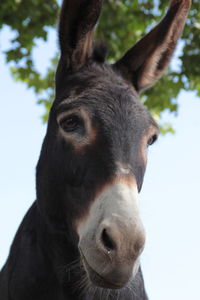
(40,265)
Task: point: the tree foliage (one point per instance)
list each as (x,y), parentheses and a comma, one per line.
(123,22)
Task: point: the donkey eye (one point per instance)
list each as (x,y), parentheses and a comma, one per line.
(152,140)
(70,123)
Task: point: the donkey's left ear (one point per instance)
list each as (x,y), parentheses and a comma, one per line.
(145,62)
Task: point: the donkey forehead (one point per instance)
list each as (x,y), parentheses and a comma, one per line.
(103,92)
(93,78)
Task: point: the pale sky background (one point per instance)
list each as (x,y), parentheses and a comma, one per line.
(170,199)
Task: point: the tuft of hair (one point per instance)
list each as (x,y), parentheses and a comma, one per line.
(100,51)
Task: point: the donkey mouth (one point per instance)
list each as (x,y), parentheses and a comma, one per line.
(97,279)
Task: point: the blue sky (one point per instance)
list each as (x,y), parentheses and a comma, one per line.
(170,199)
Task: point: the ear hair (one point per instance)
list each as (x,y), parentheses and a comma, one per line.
(77,21)
(145,62)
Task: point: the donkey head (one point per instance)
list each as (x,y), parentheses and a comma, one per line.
(94,155)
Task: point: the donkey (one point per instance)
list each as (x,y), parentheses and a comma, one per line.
(82,238)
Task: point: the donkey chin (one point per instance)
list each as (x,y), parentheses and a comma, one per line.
(112,237)
(116,277)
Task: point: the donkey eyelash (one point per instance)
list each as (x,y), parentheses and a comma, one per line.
(66,111)
(152,140)
(71,123)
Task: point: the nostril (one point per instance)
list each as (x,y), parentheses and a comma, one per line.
(107,241)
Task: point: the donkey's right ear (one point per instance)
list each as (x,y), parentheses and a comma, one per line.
(77,21)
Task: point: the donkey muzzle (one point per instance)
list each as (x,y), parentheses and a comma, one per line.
(112,237)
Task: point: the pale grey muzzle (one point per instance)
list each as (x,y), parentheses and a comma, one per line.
(112,236)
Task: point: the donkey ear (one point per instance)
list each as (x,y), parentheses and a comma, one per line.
(77,21)
(145,62)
